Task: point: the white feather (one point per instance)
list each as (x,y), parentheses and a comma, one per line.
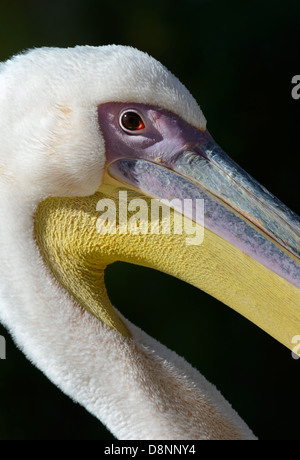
(51,145)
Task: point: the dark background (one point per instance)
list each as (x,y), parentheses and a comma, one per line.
(238,59)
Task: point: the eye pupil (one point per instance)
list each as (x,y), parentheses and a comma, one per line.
(132,121)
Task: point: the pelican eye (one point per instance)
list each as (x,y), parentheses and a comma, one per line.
(131,121)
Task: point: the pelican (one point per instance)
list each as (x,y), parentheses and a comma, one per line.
(82,129)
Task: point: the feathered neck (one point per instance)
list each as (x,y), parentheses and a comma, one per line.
(137,387)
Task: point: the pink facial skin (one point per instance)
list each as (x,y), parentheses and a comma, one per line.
(168,158)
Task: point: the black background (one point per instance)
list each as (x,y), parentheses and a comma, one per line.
(237,59)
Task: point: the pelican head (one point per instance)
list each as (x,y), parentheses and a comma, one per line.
(90,138)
